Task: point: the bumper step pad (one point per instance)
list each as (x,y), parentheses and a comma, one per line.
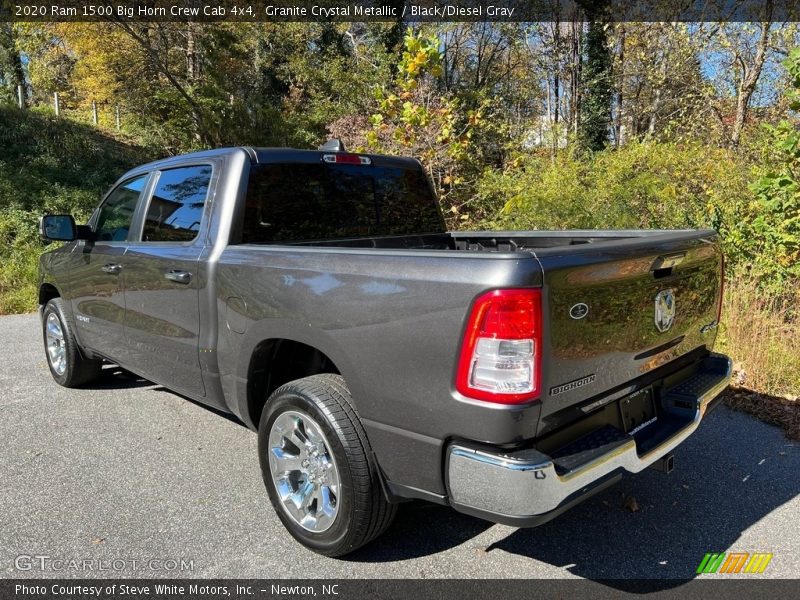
(587,448)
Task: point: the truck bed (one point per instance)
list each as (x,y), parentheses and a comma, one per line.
(496,241)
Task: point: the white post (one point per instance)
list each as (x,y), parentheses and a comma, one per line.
(116,114)
(56,105)
(94,112)
(20,97)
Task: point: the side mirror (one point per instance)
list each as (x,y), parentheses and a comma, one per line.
(58,228)
(62,228)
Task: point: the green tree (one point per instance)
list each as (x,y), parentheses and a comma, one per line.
(595,106)
(414,118)
(11,70)
(776,219)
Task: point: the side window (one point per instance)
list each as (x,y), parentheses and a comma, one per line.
(176,208)
(116,213)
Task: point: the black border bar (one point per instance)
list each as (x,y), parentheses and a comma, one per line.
(410,11)
(390,589)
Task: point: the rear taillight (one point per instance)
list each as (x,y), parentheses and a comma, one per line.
(501,353)
(721,289)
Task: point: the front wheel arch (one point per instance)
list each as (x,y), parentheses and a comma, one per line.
(47,291)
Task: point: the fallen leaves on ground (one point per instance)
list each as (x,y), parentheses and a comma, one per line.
(784,412)
(631,504)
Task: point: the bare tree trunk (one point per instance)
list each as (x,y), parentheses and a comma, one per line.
(556,70)
(750,77)
(655,106)
(191,54)
(575,75)
(554,129)
(620,87)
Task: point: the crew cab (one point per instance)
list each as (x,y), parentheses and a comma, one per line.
(318,297)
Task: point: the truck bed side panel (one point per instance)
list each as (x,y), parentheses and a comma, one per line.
(392,323)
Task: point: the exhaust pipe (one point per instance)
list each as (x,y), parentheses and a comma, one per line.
(665,464)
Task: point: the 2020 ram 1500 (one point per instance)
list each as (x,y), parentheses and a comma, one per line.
(318,297)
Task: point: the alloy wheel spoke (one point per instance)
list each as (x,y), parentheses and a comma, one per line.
(303,497)
(298,435)
(286,461)
(327,502)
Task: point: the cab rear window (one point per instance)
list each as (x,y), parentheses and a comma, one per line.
(307,202)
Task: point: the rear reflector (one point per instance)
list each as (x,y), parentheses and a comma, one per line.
(501,354)
(346,159)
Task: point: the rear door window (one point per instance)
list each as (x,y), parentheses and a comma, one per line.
(176,207)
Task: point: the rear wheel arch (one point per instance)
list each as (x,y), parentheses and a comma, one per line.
(277,361)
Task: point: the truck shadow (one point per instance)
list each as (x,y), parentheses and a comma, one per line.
(113,377)
(729,475)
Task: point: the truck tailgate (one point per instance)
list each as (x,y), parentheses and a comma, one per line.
(618,309)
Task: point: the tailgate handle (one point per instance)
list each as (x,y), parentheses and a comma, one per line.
(667,261)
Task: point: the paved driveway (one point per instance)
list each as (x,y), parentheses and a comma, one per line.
(128,471)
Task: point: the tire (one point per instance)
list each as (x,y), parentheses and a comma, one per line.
(67,363)
(354,497)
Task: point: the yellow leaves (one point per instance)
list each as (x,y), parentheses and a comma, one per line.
(513,164)
(416,64)
(421,57)
(419,119)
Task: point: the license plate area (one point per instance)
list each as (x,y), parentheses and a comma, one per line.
(637,410)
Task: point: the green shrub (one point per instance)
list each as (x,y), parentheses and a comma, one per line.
(48,165)
(647,185)
(19,253)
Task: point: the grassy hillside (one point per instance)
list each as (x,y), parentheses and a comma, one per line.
(48,165)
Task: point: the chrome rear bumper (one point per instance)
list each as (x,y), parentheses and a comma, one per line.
(523,488)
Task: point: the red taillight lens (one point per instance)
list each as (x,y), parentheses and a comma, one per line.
(346,159)
(501,354)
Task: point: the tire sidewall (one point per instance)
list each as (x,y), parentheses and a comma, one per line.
(336,536)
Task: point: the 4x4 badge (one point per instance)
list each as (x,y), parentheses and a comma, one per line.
(665,310)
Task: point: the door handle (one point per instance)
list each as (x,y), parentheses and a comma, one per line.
(112,268)
(179,276)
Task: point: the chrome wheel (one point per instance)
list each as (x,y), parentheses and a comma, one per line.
(56,350)
(304,471)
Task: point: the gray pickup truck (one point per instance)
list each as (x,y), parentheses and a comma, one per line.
(318,297)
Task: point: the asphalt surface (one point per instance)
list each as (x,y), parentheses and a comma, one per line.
(128,471)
